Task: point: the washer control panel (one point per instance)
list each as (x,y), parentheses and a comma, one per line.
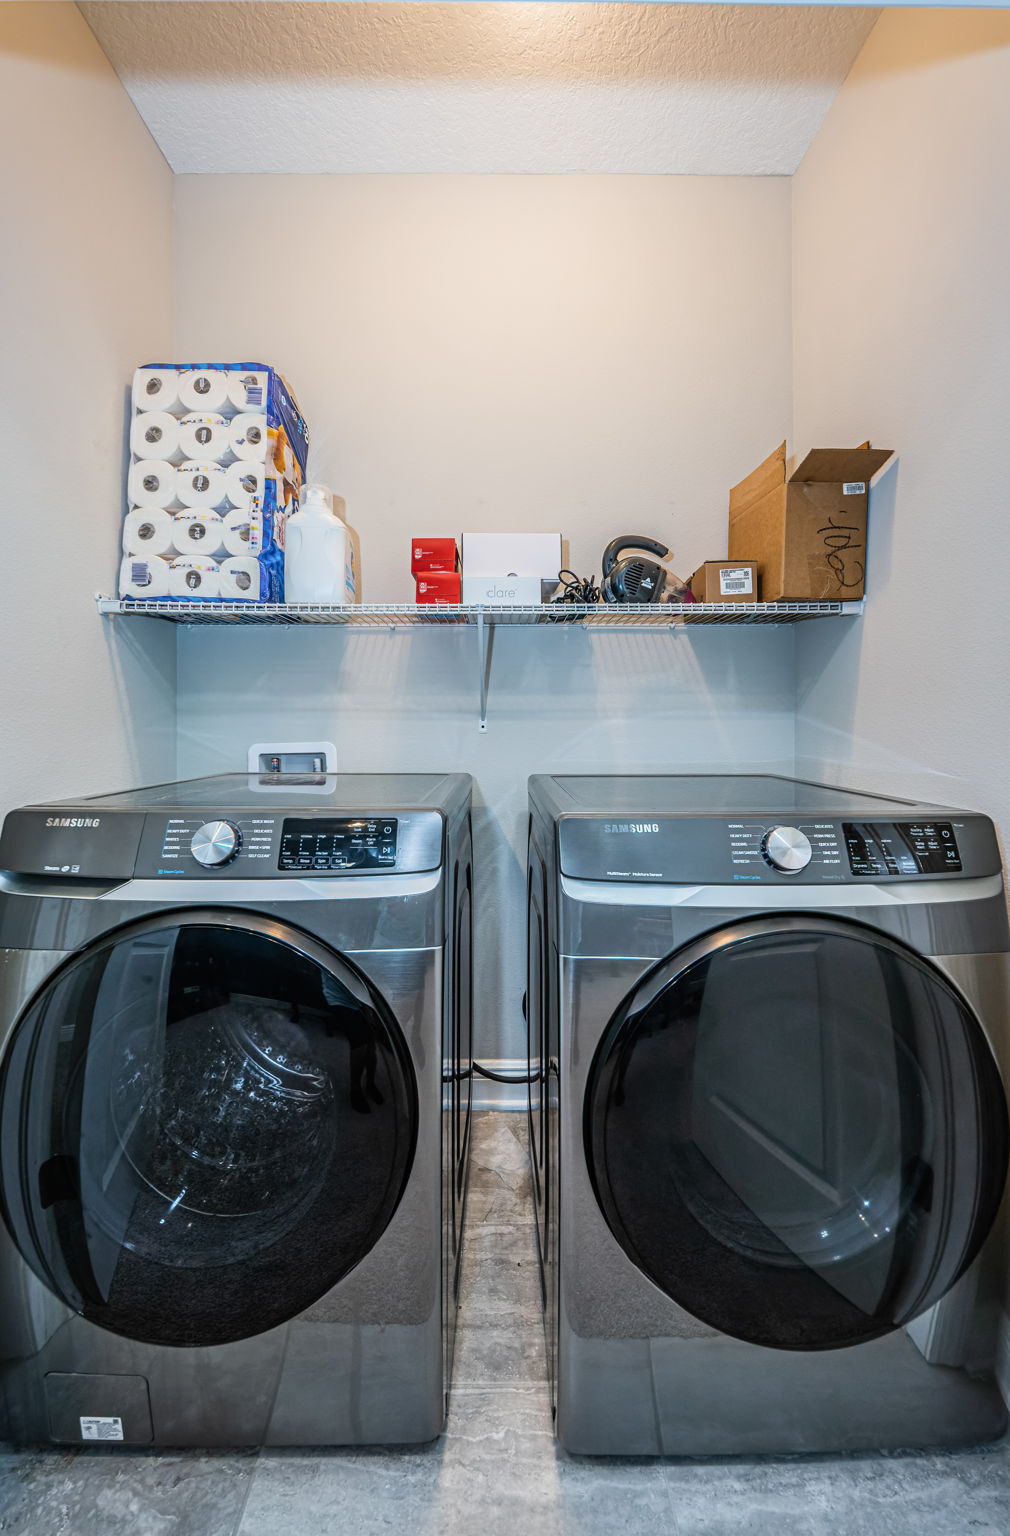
(244,845)
(328,842)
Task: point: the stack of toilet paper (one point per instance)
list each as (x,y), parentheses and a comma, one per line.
(217,458)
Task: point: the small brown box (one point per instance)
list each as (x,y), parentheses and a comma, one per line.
(807,529)
(726,581)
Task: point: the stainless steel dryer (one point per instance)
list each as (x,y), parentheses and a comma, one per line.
(234,1110)
(768,1127)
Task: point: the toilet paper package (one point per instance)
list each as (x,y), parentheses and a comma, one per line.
(218,459)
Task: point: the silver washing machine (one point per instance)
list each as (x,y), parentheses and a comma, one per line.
(234,1110)
(768,1126)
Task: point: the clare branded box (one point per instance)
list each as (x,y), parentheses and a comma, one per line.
(806,527)
(726,581)
(434,554)
(510,568)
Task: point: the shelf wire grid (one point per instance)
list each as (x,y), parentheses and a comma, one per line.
(411,615)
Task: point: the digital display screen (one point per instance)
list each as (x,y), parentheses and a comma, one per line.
(901,847)
(327,842)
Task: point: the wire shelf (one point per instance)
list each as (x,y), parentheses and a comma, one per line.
(410,615)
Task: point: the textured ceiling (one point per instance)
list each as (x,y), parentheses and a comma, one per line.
(514,88)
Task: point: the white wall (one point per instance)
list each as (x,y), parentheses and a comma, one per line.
(86,707)
(591,354)
(902,333)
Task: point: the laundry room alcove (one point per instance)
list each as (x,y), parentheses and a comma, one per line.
(527,267)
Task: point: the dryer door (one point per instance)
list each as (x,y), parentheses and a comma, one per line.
(796,1128)
(206,1120)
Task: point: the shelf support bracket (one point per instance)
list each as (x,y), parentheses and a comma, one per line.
(485,645)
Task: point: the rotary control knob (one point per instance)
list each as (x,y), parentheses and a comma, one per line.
(216,842)
(787,849)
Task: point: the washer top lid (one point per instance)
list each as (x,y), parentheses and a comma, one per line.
(682,794)
(355,792)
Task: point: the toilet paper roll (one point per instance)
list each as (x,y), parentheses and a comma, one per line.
(148,531)
(205,437)
(204,390)
(194,576)
(198,533)
(201,485)
(240,577)
(155,434)
(152,483)
(156,389)
(248,436)
(243,481)
(243,532)
(247,389)
(144,576)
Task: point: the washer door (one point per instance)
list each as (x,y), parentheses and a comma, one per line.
(206,1120)
(797,1129)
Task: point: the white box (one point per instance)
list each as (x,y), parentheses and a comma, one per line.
(511,554)
(507,590)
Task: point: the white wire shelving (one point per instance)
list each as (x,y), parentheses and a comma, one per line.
(484,620)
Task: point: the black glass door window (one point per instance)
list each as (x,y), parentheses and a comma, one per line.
(205,1123)
(797,1129)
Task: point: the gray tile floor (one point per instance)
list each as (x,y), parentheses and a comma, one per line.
(497,1468)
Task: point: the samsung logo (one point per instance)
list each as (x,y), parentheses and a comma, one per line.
(631,826)
(73,821)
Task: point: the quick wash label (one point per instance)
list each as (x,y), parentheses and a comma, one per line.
(101,1429)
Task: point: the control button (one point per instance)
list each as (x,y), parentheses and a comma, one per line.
(216,842)
(787,849)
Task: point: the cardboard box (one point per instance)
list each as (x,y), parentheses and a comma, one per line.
(512,554)
(433,555)
(726,581)
(438,587)
(806,528)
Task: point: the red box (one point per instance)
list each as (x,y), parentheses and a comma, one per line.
(438,587)
(433,555)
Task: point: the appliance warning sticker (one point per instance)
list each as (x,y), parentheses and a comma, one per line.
(101,1429)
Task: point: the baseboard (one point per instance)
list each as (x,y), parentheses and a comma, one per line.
(487,1094)
(1003,1356)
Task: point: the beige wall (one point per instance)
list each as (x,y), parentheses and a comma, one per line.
(902,332)
(85,290)
(589,353)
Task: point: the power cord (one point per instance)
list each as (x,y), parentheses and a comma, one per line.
(577,589)
(499,1077)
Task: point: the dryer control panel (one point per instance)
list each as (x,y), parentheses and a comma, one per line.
(778,850)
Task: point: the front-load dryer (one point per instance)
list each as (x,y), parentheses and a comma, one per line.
(768,1029)
(234,1110)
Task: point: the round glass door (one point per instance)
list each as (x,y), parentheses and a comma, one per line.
(797,1129)
(206,1120)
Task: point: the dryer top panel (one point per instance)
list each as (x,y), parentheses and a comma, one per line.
(726,794)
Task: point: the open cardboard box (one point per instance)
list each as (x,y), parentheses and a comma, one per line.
(806,528)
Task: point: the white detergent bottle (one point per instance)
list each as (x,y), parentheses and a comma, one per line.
(318,551)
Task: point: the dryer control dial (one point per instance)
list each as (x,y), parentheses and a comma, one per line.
(216,842)
(787,849)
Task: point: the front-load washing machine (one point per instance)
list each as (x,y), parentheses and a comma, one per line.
(768,1028)
(234,1110)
